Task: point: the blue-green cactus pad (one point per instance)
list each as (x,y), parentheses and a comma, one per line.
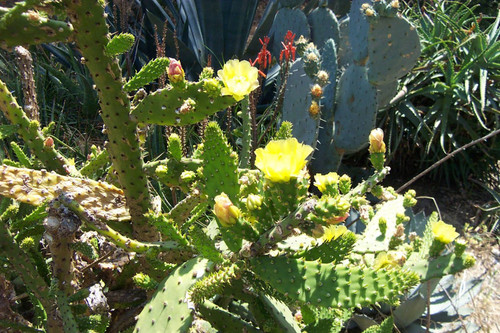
(291,3)
(358,32)
(386,92)
(327,158)
(393,49)
(344,51)
(287,19)
(356,110)
(324,25)
(296,104)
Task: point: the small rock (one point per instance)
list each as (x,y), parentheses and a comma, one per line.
(496,253)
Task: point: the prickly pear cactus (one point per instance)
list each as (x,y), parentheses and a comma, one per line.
(169,309)
(36,187)
(178,107)
(376,47)
(297,103)
(19,27)
(221,244)
(288,19)
(333,286)
(324,25)
(355,111)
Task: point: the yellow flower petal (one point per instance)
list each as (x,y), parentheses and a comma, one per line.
(240,78)
(281,160)
(443,232)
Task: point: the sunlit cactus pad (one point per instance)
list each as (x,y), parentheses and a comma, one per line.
(170,106)
(333,285)
(36,187)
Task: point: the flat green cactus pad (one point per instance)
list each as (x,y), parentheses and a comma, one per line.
(168,311)
(31,28)
(34,187)
(220,164)
(151,71)
(332,285)
(372,239)
(164,107)
(438,267)
(120,43)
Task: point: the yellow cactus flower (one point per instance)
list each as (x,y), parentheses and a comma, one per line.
(443,232)
(240,78)
(389,260)
(281,160)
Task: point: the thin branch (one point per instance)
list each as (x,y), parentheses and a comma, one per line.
(447,157)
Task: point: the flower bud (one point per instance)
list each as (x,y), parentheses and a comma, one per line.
(254,201)
(382,225)
(212,87)
(376,138)
(175,71)
(226,212)
(460,246)
(322,77)
(188,176)
(345,184)
(207,73)
(316,91)
(314,108)
(187,106)
(49,142)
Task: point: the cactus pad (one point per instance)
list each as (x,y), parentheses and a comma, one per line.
(393,49)
(356,110)
(332,285)
(373,240)
(168,310)
(327,158)
(220,164)
(324,25)
(296,104)
(35,187)
(164,107)
(287,19)
(120,43)
(151,71)
(358,32)
(31,28)
(428,269)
